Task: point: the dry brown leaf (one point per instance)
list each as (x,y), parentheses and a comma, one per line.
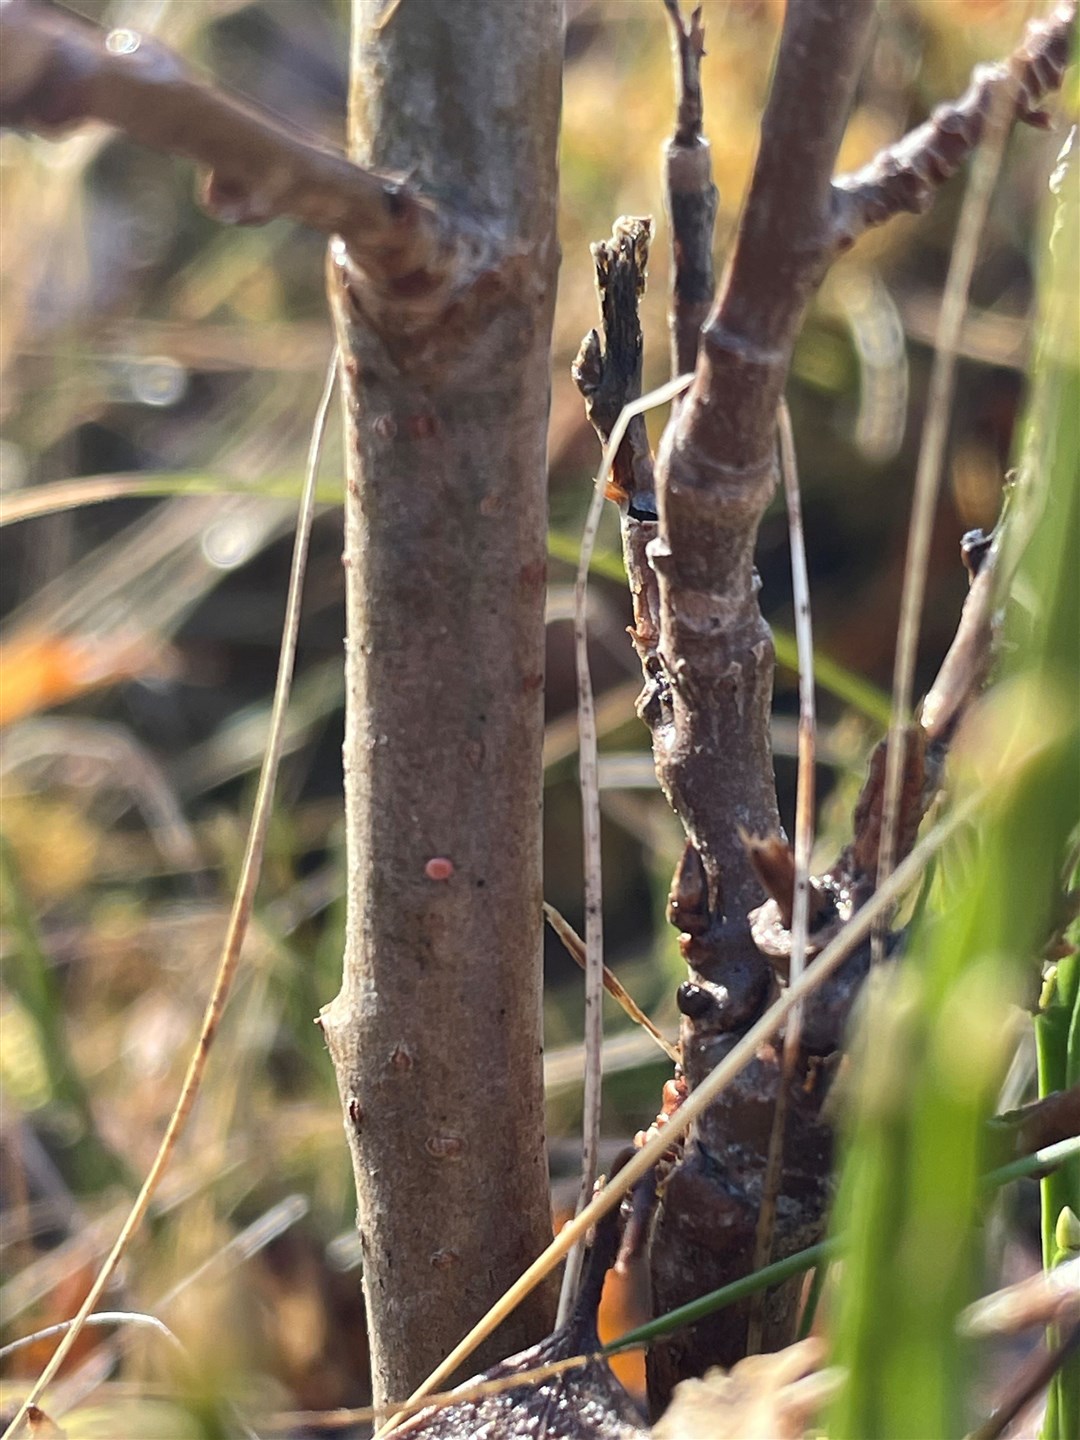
(765,1397)
(41,1427)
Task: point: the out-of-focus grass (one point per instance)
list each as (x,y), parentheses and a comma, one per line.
(935,1035)
(1055,445)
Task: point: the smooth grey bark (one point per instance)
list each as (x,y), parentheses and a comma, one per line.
(436,1033)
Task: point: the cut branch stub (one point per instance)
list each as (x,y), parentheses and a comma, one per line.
(607,370)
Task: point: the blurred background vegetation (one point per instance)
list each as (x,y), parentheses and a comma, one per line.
(179,363)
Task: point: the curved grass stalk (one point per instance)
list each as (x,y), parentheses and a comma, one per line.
(243,905)
(134,1318)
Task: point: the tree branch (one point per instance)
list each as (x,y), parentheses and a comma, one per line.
(58,70)
(715,473)
(905,176)
(445,583)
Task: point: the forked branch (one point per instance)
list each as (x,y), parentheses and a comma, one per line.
(58,70)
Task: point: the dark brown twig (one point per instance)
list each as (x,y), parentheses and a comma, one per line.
(1043,1122)
(716,472)
(905,176)
(690,196)
(1029,1382)
(710,707)
(59,70)
(607,371)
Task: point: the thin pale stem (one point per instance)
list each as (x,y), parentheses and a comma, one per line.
(804,842)
(594,895)
(243,905)
(134,1318)
(931,457)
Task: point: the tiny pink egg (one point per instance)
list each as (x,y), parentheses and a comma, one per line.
(439,868)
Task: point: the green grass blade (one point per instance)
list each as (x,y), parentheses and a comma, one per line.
(924,1088)
(32,980)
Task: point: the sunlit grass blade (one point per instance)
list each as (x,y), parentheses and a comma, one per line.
(33,982)
(60,495)
(1057,1040)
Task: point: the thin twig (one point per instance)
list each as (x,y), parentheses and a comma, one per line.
(243,905)
(931,456)
(690,195)
(699,1100)
(1030,1380)
(804,843)
(135,1318)
(575,948)
(594,896)
(804,635)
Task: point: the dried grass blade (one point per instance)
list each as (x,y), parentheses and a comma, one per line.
(575,948)
(931,457)
(243,904)
(804,842)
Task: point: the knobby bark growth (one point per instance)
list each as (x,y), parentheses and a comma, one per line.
(689,528)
